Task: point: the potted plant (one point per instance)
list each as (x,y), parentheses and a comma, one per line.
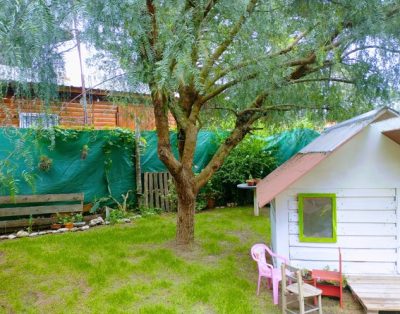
(45,163)
(85,151)
(57,225)
(306,275)
(78,220)
(211,194)
(250,181)
(68,222)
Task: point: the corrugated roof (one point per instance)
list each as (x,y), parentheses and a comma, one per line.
(319,149)
(338,134)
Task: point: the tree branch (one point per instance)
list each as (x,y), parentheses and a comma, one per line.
(330,79)
(369,47)
(208,7)
(227,42)
(224,109)
(162,127)
(225,86)
(151,9)
(244,64)
(244,122)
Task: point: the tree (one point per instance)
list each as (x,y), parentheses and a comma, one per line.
(251,59)
(30,38)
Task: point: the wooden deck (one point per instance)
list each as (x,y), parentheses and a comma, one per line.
(377,293)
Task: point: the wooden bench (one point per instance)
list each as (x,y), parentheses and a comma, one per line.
(26,205)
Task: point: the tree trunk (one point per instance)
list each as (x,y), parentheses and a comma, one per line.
(186,208)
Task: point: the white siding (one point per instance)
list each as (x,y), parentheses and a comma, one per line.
(364,173)
(369,160)
(366,232)
(272,215)
(282,227)
(398,228)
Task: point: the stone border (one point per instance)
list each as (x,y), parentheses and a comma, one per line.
(92,223)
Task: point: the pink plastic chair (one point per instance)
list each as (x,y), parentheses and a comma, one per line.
(267,270)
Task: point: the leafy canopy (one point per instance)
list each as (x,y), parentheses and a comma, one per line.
(318,54)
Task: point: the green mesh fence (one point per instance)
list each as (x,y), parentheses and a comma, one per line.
(108,164)
(99,162)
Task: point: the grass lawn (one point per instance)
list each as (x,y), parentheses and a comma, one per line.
(136,268)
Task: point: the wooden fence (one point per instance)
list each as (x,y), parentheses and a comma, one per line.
(155,192)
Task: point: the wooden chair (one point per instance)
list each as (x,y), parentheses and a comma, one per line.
(299,290)
(331,276)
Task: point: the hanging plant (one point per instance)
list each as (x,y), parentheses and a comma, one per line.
(45,163)
(84,152)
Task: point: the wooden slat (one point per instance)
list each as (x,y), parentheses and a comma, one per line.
(345,193)
(37,210)
(350,242)
(369,216)
(21,199)
(348,267)
(398,228)
(11,224)
(357,229)
(353,255)
(156,191)
(162,191)
(377,293)
(165,178)
(25,222)
(151,194)
(146,189)
(365,203)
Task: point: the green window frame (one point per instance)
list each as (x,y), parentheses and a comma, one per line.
(301,206)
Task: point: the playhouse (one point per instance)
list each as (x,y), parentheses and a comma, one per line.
(341,190)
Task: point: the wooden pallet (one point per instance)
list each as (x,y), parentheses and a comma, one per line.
(156,190)
(376,293)
(14,211)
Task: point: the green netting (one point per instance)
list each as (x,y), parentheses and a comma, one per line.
(109,164)
(69,172)
(286,144)
(207,144)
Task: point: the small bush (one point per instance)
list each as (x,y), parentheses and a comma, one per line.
(115,216)
(247,160)
(149,211)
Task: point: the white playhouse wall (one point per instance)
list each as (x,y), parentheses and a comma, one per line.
(365,176)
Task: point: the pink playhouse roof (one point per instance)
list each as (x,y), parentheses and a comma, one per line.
(319,149)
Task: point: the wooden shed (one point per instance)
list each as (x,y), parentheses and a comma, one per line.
(69,112)
(341,190)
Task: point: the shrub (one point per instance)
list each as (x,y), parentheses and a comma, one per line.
(115,216)
(247,160)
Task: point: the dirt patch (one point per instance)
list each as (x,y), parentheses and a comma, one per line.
(4,308)
(46,301)
(193,253)
(350,305)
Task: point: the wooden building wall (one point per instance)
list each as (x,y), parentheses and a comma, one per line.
(364,173)
(100,114)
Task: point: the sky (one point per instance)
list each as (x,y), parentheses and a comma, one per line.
(72,77)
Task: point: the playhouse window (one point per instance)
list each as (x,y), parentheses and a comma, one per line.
(317,217)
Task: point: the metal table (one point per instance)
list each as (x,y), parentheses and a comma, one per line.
(255,201)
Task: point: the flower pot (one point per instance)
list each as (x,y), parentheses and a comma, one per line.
(69,225)
(210,203)
(55,226)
